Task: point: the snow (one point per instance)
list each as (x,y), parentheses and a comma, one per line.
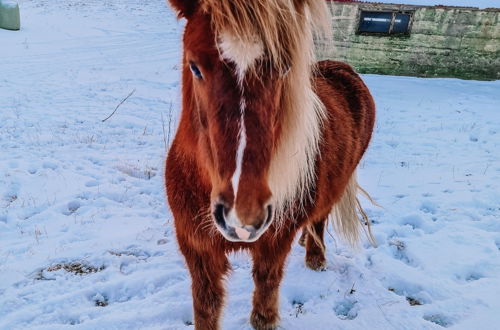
(458,3)
(86,238)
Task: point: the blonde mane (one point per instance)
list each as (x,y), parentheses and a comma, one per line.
(286,29)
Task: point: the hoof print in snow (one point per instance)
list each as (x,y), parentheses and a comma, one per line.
(73,206)
(346,310)
(473,277)
(438,319)
(473,137)
(100,301)
(162,241)
(50,165)
(92,183)
(415,221)
(470,276)
(428,207)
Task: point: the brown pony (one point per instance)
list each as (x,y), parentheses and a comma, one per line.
(267,145)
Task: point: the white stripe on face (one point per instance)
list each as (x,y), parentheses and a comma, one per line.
(242,54)
(242,143)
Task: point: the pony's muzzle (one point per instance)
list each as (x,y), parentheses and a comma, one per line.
(232,228)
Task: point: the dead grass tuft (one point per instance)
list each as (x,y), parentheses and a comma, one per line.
(76,268)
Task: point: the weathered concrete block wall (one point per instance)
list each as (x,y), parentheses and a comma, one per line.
(443,42)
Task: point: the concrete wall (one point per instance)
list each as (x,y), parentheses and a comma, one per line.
(443,42)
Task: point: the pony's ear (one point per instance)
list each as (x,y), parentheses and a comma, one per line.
(184,8)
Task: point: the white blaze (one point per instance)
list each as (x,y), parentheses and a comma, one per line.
(242,143)
(243,54)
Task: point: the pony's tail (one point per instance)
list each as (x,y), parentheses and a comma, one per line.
(348,216)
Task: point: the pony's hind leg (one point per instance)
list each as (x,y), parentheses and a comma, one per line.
(268,263)
(207,270)
(315,245)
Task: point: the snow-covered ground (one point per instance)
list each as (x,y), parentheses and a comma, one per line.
(86,238)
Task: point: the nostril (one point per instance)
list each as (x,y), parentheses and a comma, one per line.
(265,221)
(219,213)
(269,214)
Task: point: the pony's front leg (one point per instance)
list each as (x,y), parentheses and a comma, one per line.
(207,271)
(268,263)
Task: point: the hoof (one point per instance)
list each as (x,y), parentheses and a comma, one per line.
(316,262)
(260,322)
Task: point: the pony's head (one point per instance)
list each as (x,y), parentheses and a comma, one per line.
(247,86)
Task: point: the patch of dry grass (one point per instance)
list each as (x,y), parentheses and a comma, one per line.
(76,268)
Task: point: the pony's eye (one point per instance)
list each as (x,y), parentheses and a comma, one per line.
(195,70)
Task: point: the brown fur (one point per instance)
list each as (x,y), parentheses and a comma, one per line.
(201,161)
